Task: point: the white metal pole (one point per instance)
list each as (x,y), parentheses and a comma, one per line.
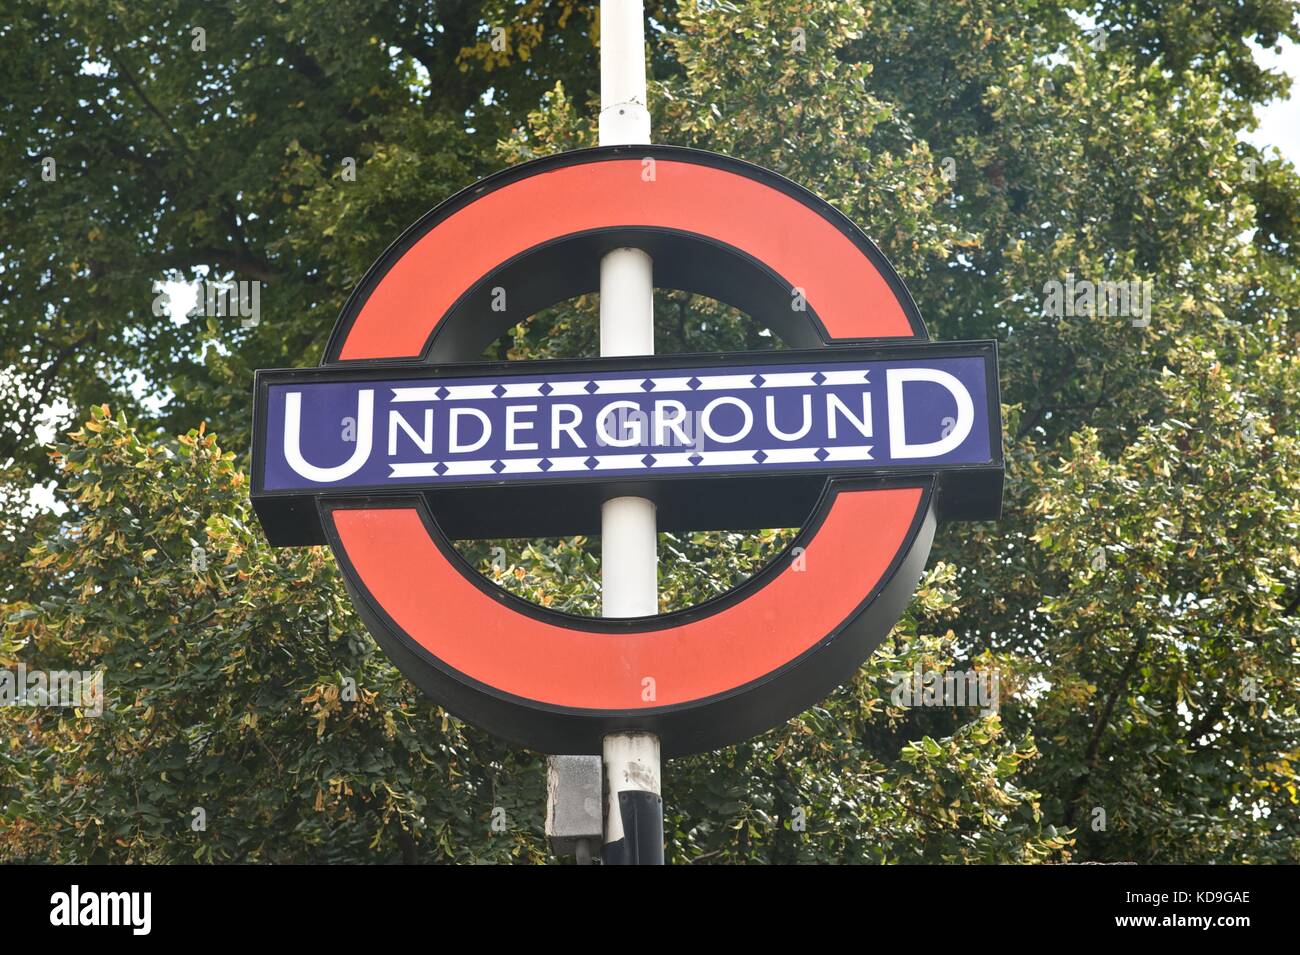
(624,117)
(629,553)
(634,820)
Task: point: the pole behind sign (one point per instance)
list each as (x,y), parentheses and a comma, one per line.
(629,560)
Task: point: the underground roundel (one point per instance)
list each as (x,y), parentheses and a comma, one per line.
(860,430)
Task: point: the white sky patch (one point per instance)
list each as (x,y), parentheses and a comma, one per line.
(182,298)
(1279,121)
(53,418)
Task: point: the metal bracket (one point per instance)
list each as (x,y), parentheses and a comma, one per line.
(574,818)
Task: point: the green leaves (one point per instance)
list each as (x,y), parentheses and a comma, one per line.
(1179,625)
(240,684)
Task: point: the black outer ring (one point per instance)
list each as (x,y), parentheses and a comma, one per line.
(694,727)
(699,725)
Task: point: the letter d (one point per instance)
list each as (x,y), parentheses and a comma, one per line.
(898,446)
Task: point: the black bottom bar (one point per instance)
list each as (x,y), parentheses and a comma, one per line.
(643,831)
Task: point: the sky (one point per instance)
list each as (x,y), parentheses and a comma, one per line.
(1279,122)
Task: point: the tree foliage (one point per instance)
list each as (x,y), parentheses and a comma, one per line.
(1138,600)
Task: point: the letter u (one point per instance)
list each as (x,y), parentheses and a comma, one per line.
(360,454)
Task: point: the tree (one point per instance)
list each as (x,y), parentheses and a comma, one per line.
(1138,600)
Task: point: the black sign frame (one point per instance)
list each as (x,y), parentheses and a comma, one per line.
(484,508)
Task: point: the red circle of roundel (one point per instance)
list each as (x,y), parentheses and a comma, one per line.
(701,678)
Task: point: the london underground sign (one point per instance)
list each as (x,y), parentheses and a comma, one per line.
(528,422)
(863,433)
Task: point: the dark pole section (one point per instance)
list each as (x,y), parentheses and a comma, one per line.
(642,814)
